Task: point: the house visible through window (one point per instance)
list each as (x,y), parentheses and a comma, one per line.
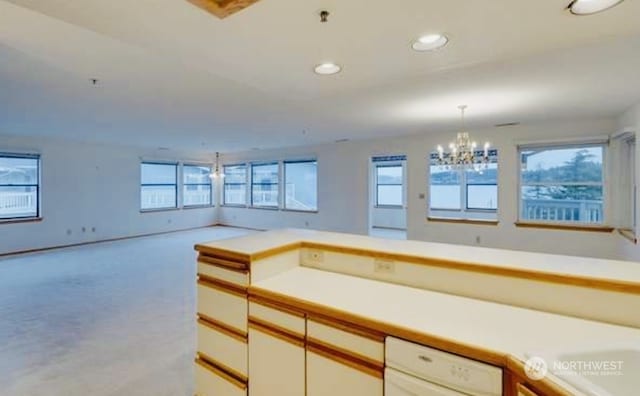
(264,185)
(464,192)
(159,186)
(19,186)
(235,185)
(562,184)
(389,184)
(196,185)
(301,185)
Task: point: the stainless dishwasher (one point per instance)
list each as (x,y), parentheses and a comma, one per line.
(417,370)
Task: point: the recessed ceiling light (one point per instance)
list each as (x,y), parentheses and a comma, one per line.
(430,42)
(327,68)
(588,7)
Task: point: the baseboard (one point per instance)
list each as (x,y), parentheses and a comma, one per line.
(45,249)
(241,227)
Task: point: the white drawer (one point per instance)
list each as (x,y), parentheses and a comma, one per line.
(326,377)
(236,277)
(452,371)
(228,350)
(223,306)
(213,382)
(344,339)
(285,320)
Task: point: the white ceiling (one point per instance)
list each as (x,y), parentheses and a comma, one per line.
(173,75)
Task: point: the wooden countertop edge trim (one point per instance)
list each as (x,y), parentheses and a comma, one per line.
(277,331)
(473,352)
(274,251)
(347,353)
(349,328)
(564,227)
(224,264)
(221,373)
(550,277)
(545,385)
(222,328)
(223,286)
(275,305)
(227,8)
(332,354)
(225,254)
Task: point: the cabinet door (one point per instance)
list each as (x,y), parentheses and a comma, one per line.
(329,375)
(276,362)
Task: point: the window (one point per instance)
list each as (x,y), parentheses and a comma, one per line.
(301,185)
(196,184)
(470,193)
(19,186)
(389,186)
(235,185)
(562,184)
(159,186)
(264,185)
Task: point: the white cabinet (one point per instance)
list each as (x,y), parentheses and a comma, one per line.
(276,364)
(210,381)
(328,377)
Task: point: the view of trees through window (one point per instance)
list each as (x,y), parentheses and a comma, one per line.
(19,186)
(563,184)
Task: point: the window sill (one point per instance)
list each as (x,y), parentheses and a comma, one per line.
(462,221)
(158,210)
(300,211)
(238,206)
(628,234)
(389,207)
(198,207)
(21,220)
(564,227)
(264,207)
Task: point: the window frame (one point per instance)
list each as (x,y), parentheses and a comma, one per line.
(389,164)
(225,184)
(284,184)
(577,144)
(210,184)
(277,184)
(465,211)
(176,165)
(38,215)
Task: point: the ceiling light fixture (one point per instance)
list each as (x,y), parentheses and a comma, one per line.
(588,7)
(463,152)
(430,42)
(327,69)
(217,174)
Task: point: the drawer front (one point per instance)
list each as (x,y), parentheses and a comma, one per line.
(213,382)
(239,277)
(326,377)
(289,321)
(344,339)
(223,306)
(228,350)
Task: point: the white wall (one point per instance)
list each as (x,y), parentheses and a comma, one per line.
(344,191)
(89,185)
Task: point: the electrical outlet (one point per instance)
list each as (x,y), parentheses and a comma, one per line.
(383,266)
(316,256)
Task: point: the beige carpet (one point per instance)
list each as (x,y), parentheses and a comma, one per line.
(102,320)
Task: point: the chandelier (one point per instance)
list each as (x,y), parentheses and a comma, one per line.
(463,151)
(217,174)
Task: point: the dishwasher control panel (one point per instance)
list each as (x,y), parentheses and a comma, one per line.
(442,368)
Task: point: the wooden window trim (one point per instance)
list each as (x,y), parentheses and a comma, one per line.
(462,221)
(628,234)
(564,227)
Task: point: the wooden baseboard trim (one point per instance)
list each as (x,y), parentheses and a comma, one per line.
(56,247)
